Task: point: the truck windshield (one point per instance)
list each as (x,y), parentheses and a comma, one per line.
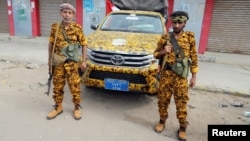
(133,23)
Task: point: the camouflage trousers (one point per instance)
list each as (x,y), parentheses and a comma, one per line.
(67,72)
(172,84)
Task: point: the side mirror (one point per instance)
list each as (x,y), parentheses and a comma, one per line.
(94,26)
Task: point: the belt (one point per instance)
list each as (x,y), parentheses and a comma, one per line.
(167,67)
(68,60)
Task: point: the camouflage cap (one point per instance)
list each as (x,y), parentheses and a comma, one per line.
(67,6)
(179,16)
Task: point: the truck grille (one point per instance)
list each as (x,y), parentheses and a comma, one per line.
(126,60)
(132,78)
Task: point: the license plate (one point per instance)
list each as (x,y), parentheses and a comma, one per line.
(115,84)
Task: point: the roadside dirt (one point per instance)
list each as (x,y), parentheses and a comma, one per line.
(107,115)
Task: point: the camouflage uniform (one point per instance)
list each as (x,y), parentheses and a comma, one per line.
(67,71)
(171,83)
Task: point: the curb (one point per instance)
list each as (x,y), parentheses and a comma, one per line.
(204,58)
(31,40)
(223,91)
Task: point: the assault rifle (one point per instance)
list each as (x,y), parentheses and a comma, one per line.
(49,81)
(51,67)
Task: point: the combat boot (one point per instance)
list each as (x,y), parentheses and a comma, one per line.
(159,127)
(58,110)
(77,112)
(182,136)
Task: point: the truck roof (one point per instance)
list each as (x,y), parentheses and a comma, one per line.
(137,12)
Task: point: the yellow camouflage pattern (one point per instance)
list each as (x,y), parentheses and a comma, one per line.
(74,34)
(187,42)
(172,84)
(69,70)
(135,43)
(179,18)
(148,73)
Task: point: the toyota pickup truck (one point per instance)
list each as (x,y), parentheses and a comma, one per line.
(120,51)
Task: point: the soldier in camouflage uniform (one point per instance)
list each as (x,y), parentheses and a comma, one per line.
(67,71)
(170,83)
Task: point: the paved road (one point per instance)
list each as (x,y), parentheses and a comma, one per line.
(106,116)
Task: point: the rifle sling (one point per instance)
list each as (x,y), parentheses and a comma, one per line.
(65,36)
(177,48)
(53,47)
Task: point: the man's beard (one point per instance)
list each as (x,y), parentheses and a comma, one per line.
(179,30)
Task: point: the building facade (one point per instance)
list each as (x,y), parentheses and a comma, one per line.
(219,25)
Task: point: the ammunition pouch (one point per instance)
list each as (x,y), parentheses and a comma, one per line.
(58,59)
(181,67)
(67,54)
(72,52)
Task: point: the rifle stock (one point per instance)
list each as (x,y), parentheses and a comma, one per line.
(165,57)
(164,61)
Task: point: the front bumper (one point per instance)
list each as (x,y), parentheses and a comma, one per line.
(140,79)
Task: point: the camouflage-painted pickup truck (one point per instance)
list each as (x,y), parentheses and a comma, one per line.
(120,52)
